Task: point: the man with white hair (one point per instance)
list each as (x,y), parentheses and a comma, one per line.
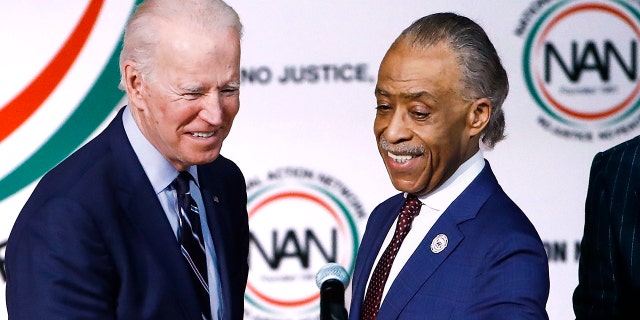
(148,220)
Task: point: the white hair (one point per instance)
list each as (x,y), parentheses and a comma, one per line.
(141,37)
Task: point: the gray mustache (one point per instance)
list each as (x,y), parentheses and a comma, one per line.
(400,148)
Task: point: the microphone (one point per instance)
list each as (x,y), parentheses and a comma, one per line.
(332,279)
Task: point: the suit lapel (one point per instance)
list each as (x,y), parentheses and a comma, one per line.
(385,223)
(378,226)
(147,216)
(420,267)
(423,262)
(216,211)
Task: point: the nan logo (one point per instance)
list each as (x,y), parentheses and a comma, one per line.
(580,64)
(300,220)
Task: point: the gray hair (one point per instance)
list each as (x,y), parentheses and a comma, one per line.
(141,37)
(483,75)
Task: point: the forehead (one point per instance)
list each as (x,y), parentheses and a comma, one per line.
(181,42)
(405,69)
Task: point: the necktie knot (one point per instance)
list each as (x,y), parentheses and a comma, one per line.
(413,204)
(410,209)
(181,183)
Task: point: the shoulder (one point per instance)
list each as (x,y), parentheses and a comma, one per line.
(87,177)
(98,157)
(224,177)
(620,161)
(221,167)
(502,211)
(631,144)
(626,151)
(380,211)
(391,202)
(80,174)
(499,216)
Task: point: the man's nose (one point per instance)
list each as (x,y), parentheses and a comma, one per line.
(212,111)
(397,129)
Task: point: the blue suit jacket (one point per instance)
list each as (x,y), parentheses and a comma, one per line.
(494,266)
(609,273)
(93,242)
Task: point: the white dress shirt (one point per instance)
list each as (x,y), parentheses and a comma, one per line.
(433,205)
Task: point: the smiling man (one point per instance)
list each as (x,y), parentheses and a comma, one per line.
(147,220)
(452,244)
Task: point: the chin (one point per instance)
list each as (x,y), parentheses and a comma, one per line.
(413,187)
(207,160)
(192,161)
(401,186)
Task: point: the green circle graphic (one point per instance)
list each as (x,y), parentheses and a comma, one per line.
(96,105)
(526,63)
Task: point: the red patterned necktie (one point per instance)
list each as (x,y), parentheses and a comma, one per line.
(410,209)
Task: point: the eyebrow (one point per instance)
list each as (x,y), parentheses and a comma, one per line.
(192,88)
(406,95)
(415,95)
(200,88)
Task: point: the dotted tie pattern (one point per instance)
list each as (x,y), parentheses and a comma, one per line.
(410,209)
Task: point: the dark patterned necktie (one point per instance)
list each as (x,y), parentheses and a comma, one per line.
(191,240)
(410,209)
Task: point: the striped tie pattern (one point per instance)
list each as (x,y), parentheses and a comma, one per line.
(191,240)
(410,209)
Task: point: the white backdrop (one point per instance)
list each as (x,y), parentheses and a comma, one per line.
(315,132)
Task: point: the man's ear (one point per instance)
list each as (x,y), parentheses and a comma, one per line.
(133,83)
(479,115)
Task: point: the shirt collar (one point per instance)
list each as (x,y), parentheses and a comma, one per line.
(440,198)
(159,171)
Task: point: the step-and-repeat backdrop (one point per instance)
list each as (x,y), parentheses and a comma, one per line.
(303,136)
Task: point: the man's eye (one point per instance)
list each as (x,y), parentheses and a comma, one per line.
(229,91)
(383,107)
(421,115)
(192,95)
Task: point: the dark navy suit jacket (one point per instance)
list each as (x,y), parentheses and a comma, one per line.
(609,271)
(93,242)
(494,266)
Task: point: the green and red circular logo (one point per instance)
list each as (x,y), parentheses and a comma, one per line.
(580,65)
(69,95)
(300,220)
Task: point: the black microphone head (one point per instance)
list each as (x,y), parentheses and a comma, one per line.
(332,271)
